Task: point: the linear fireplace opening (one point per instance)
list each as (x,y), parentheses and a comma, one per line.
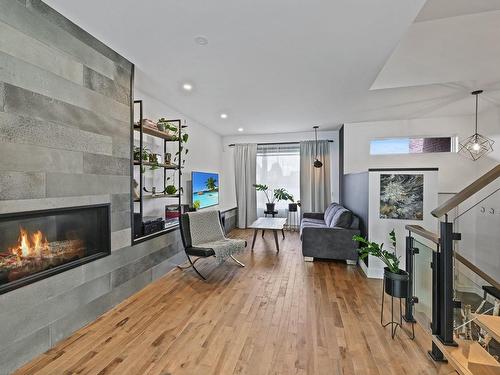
(37,244)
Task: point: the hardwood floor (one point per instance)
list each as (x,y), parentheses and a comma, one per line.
(278,315)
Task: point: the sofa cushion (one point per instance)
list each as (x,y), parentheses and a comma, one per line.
(311,225)
(332,210)
(317,221)
(341,219)
(329,208)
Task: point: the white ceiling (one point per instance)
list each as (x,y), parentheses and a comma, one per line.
(286,65)
(435,9)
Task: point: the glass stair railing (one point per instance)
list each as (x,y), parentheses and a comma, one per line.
(463,282)
(422,284)
(478,223)
(477,308)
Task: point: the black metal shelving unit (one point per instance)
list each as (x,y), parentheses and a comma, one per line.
(143,194)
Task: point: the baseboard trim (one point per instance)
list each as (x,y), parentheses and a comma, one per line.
(371,273)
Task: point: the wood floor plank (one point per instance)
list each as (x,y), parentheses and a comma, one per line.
(278,315)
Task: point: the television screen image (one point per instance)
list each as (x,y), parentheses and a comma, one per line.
(205,189)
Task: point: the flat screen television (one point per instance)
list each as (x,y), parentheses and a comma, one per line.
(205,187)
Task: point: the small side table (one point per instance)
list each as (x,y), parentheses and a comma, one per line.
(293,217)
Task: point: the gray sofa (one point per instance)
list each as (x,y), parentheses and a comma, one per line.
(329,235)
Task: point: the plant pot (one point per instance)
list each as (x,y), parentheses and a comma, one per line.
(396,284)
(270,207)
(292,207)
(153,158)
(170,190)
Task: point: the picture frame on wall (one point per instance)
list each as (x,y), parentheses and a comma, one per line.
(402,196)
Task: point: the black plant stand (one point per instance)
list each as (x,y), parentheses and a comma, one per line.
(272,213)
(394,324)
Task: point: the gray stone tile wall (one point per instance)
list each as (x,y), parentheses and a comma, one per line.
(65,141)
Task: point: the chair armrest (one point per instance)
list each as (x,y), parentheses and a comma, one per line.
(313,215)
(200,251)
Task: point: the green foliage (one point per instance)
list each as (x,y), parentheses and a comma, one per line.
(265,189)
(261,187)
(167,124)
(170,189)
(196,204)
(390,259)
(170,125)
(137,153)
(276,195)
(281,194)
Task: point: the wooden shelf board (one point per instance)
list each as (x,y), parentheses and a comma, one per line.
(160,165)
(155,133)
(156,196)
(167,229)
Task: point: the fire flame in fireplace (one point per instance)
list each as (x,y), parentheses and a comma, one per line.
(31,245)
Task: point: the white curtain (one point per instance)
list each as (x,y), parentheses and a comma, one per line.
(315,186)
(278,166)
(245,156)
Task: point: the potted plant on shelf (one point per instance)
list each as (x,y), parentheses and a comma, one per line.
(170,128)
(166,126)
(395,279)
(273,196)
(170,189)
(137,153)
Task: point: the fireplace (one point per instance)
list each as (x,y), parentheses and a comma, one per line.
(37,244)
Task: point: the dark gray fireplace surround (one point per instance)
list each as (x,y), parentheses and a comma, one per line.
(65,142)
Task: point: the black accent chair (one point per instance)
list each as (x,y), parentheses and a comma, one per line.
(198,252)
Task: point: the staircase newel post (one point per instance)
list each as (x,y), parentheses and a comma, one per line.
(409,302)
(446,283)
(435,353)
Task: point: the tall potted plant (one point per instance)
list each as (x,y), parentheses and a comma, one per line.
(395,279)
(273,196)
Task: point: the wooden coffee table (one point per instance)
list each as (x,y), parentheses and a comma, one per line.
(267,223)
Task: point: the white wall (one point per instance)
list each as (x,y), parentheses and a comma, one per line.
(228,159)
(378,230)
(205,152)
(455,171)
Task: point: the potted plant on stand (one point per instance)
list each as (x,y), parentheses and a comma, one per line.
(396,280)
(273,196)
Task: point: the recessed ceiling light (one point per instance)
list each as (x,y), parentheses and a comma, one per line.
(240,129)
(201,40)
(187,86)
(223,116)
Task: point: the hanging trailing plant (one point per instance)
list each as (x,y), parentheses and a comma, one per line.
(170,126)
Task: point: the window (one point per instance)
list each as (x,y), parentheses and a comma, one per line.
(278,166)
(422,145)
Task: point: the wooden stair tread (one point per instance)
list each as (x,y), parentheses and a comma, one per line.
(481,362)
(489,323)
(469,358)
